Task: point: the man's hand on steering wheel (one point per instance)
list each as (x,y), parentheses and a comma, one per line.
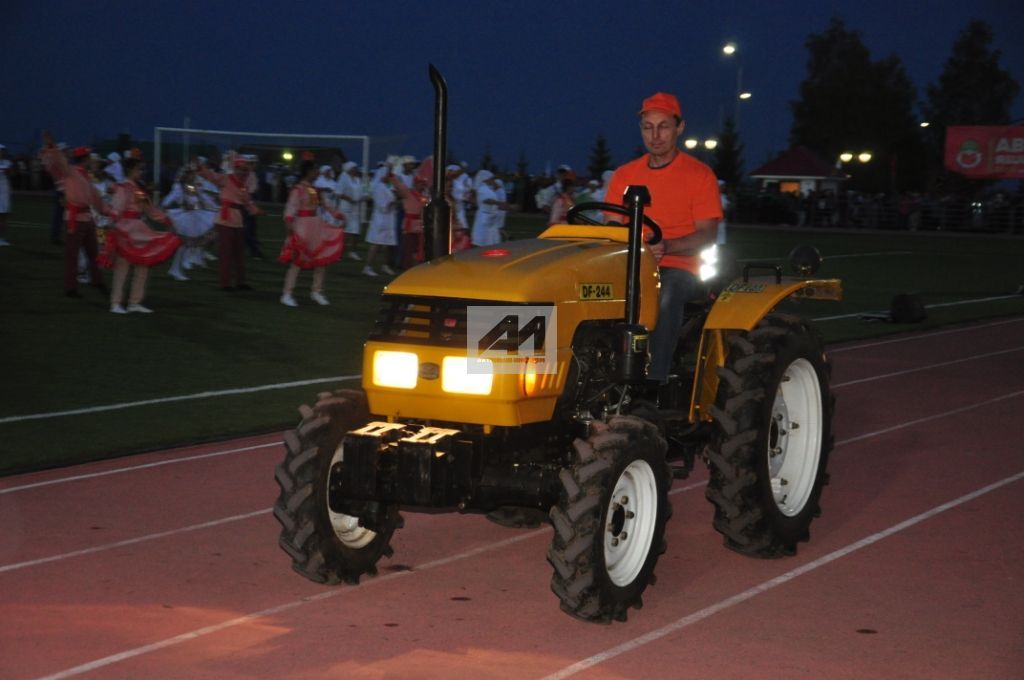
(576,216)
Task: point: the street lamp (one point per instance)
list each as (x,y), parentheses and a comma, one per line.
(847,156)
(287,155)
(729,49)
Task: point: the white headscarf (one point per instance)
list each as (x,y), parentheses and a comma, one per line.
(481,177)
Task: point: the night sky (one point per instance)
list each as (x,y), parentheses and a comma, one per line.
(538,78)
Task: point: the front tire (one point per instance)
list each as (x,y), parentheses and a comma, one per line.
(610,519)
(325,546)
(773,436)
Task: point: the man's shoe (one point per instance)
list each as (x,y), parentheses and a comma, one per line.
(353,255)
(118,309)
(136,307)
(320,299)
(387,270)
(288,301)
(368,270)
(178,276)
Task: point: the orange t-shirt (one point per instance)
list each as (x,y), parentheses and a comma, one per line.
(682,192)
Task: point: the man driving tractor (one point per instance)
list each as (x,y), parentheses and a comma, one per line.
(685,202)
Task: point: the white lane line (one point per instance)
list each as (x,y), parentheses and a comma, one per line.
(826,258)
(248,618)
(180,397)
(143,466)
(922,336)
(927,335)
(195,527)
(750,593)
(185,637)
(928,419)
(883,376)
(855,315)
(132,541)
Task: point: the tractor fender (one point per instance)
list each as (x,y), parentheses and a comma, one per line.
(742,304)
(738,309)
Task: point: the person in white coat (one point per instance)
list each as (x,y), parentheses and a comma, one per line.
(381,232)
(114,168)
(489,209)
(350,194)
(5,194)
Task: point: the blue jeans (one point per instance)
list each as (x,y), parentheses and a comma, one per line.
(678,287)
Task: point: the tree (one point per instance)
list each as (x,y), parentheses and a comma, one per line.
(728,154)
(972,90)
(487,162)
(600,157)
(850,103)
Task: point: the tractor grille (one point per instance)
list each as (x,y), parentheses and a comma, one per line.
(426,320)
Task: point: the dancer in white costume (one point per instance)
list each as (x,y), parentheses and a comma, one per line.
(193,213)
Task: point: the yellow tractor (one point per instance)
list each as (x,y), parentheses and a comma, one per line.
(510,381)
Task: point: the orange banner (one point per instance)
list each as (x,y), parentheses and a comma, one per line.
(986,152)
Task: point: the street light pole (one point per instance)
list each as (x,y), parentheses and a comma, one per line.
(739,93)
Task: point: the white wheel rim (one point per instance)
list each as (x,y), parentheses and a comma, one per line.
(794,439)
(629,523)
(346,527)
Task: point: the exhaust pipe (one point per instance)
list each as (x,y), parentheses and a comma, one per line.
(437,214)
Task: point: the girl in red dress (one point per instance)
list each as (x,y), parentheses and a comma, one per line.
(132,243)
(311,243)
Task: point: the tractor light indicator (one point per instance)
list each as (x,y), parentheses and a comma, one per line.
(709,263)
(395,369)
(529,377)
(457,377)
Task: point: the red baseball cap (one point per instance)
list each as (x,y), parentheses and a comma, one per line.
(661,101)
(81,151)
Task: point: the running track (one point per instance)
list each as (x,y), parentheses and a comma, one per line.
(166,565)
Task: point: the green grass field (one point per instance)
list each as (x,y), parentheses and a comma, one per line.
(60,354)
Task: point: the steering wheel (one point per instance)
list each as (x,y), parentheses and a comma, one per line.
(576,216)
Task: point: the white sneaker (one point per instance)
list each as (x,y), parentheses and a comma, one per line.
(352,255)
(178,276)
(368,270)
(387,270)
(320,299)
(118,309)
(209,256)
(135,307)
(288,301)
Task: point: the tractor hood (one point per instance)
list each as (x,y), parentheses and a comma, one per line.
(524,271)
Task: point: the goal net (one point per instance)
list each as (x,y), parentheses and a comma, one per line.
(278,154)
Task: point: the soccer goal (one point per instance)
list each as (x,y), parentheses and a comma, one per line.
(279,154)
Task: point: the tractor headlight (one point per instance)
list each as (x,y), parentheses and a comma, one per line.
(395,369)
(709,262)
(456,376)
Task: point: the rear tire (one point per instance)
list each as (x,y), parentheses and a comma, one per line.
(773,436)
(326,547)
(610,519)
